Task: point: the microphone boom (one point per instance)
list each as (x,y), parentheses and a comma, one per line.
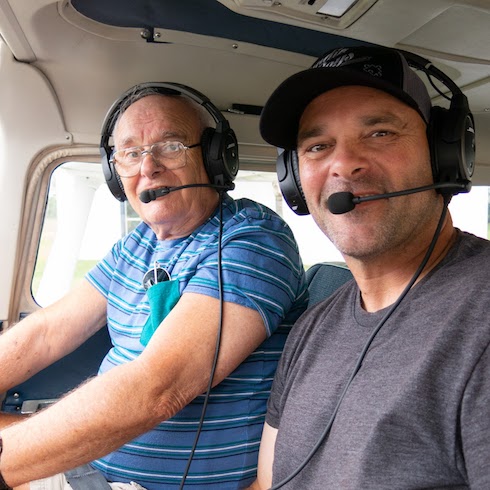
(152,194)
(343,202)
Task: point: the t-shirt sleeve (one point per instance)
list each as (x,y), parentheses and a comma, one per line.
(277,398)
(274,403)
(261,267)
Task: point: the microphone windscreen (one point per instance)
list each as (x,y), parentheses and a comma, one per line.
(341,202)
(145,196)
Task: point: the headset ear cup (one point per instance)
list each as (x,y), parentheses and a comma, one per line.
(287,167)
(220,155)
(434,138)
(206,138)
(469,147)
(112,177)
(451,138)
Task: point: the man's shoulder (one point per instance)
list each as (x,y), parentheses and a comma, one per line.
(471,250)
(474,242)
(245,209)
(247,205)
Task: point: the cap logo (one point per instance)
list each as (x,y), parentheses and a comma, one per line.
(335,59)
(344,57)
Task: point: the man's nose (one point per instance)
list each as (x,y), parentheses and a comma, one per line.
(149,166)
(348,161)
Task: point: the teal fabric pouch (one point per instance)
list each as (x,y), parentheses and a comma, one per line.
(162,297)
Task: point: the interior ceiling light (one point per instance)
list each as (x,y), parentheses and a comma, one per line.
(335,8)
(310,14)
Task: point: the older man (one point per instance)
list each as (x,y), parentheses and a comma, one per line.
(387,383)
(138,419)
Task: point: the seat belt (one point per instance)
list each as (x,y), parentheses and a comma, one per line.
(86,478)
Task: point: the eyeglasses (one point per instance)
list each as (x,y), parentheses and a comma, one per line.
(166,153)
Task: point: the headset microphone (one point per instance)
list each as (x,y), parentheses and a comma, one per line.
(152,194)
(343,202)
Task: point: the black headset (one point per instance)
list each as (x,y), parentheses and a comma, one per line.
(451,136)
(219,145)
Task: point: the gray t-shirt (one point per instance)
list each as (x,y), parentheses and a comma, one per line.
(417,414)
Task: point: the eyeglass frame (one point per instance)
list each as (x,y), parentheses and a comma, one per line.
(114,162)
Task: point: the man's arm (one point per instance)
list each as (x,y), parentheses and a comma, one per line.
(130,399)
(266,459)
(49,334)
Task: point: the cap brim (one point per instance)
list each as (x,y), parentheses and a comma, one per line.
(279,122)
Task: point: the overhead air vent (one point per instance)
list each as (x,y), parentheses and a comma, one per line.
(312,14)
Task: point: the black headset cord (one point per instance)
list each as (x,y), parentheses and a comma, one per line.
(361,357)
(218,342)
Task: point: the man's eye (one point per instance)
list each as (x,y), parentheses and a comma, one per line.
(132,154)
(172,147)
(381,133)
(317,148)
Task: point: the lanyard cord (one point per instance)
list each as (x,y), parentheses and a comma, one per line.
(365,349)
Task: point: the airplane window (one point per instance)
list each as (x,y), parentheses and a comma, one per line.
(83,220)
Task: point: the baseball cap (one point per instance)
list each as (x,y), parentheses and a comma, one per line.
(377,67)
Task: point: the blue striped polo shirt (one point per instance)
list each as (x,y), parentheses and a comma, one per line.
(261,269)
